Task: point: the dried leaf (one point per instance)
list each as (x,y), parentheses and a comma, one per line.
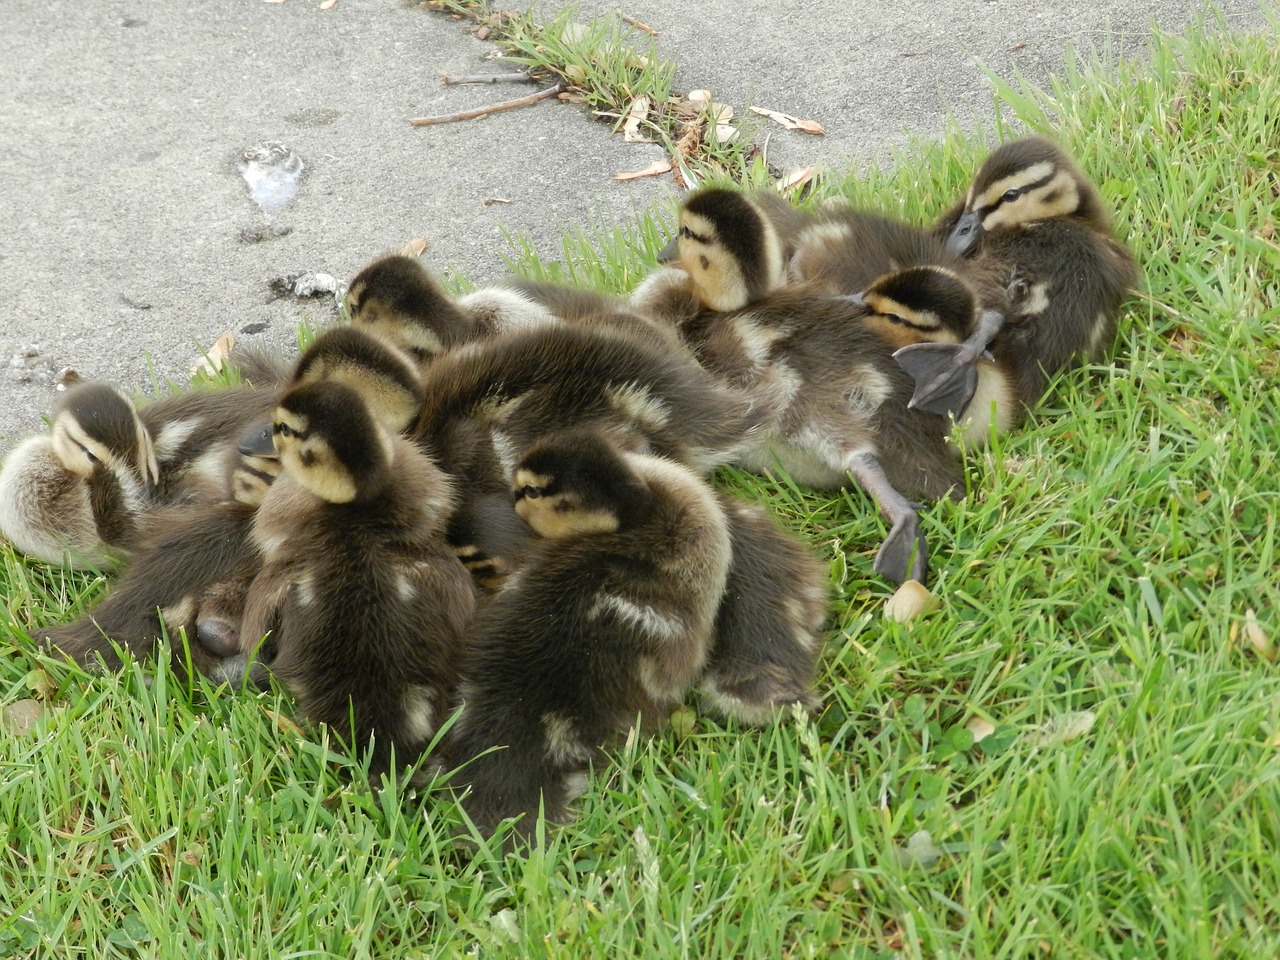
(911,600)
(211,362)
(790,122)
(794,180)
(575,74)
(490,201)
(414,248)
(698,97)
(980,728)
(18,717)
(636,114)
(1256,634)
(482,32)
(725,132)
(1065,728)
(283,723)
(919,851)
(328,4)
(655,169)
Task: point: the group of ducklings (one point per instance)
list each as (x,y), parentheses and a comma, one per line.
(498,502)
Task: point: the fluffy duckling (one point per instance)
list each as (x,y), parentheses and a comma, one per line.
(927,308)
(611,617)
(84,492)
(76,494)
(490,400)
(190,555)
(361,600)
(1037,225)
(397,299)
(837,401)
(490,539)
(768,629)
(844,249)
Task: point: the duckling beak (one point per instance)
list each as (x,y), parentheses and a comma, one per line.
(258,441)
(670,253)
(965,234)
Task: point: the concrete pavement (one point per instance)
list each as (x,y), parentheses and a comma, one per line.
(131,240)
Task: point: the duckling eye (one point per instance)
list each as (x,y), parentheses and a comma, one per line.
(531,493)
(1011,195)
(284,430)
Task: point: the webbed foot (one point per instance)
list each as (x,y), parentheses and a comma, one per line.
(945,376)
(904,555)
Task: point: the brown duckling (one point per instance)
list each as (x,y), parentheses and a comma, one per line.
(192,556)
(76,495)
(488,401)
(1035,223)
(837,401)
(768,629)
(610,618)
(361,601)
(397,299)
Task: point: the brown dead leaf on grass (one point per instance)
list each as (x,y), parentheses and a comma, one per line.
(795,180)
(283,723)
(637,113)
(1256,636)
(812,127)
(911,600)
(211,363)
(1065,728)
(414,248)
(655,169)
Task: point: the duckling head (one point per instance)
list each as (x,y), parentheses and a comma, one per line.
(1020,183)
(331,444)
(729,248)
(95,428)
(576,483)
(397,299)
(384,376)
(933,300)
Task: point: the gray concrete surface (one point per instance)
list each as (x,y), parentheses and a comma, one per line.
(121,121)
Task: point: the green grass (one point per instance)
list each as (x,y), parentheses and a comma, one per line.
(1104,562)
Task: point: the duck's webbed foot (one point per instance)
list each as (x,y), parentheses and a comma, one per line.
(904,555)
(945,373)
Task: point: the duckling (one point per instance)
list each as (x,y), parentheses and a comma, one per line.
(612,616)
(844,249)
(1038,225)
(490,539)
(493,398)
(927,308)
(75,495)
(397,299)
(364,604)
(84,491)
(384,376)
(186,552)
(837,401)
(768,628)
